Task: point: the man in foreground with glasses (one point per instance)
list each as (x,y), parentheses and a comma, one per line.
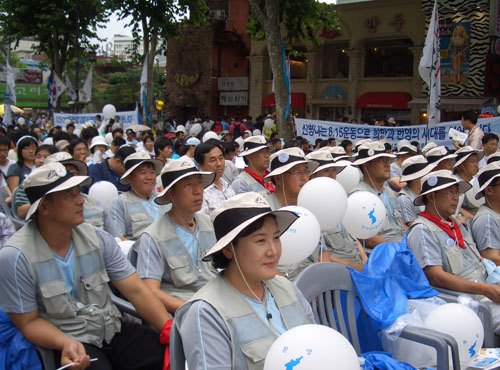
(444,248)
(375,163)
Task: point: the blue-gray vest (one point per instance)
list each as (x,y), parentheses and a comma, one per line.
(93,212)
(251,337)
(252,184)
(484,210)
(465,263)
(87,315)
(341,244)
(182,277)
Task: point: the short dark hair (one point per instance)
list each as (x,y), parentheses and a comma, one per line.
(124,152)
(118,141)
(116,130)
(61,135)
(229,147)
(219,261)
(489,136)
(5,141)
(180,147)
(74,143)
(345,143)
(275,141)
(202,149)
(50,148)
(70,125)
(471,116)
(88,133)
(161,143)
(146,137)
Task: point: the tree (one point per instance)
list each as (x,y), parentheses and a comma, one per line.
(59,26)
(288,22)
(153,22)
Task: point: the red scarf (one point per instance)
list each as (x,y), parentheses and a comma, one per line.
(453,230)
(269,186)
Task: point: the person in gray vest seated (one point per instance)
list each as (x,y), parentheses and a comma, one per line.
(440,156)
(290,171)
(169,251)
(375,164)
(405,151)
(93,210)
(236,317)
(256,156)
(341,245)
(466,167)
(131,212)
(414,168)
(444,248)
(55,273)
(485,227)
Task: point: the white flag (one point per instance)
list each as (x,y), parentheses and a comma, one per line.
(71,91)
(11,84)
(429,69)
(86,92)
(58,88)
(144,81)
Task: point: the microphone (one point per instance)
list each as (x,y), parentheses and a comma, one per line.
(269,316)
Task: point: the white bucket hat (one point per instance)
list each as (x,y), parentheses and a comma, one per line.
(135,160)
(495,157)
(240,211)
(66,158)
(48,179)
(338,153)
(428,147)
(325,160)
(179,169)
(253,144)
(358,143)
(464,153)
(406,148)
(439,180)
(415,167)
(486,176)
(370,151)
(98,140)
(285,159)
(438,154)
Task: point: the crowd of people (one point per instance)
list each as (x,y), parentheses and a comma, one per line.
(202,204)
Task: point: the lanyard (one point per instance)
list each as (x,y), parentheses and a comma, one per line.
(385,199)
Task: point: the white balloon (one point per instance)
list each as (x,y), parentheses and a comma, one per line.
(195,129)
(104,192)
(108,111)
(461,323)
(311,347)
(21,121)
(471,194)
(125,246)
(108,138)
(326,199)
(301,238)
(210,135)
(349,177)
(365,214)
(256,132)
(269,123)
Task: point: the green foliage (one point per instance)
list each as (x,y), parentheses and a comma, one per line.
(297,19)
(122,88)
(13,61)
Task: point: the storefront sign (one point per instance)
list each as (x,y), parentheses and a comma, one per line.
(334,92)
(186,79)
(232,83)
(313,129)
(233,98)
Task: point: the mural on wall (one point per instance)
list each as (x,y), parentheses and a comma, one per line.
(471,58)
(455,55)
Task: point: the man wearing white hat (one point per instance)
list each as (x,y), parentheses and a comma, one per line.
(54,274)
(169,251)
(132,211)
(374,163)
(440,156)
(405,151)
(466,167)
(256,156)
(442,246)
(485,227)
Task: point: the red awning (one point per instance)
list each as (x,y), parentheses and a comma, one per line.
(298,100)
(384,100)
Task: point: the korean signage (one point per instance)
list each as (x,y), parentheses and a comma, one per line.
(232,83)
(233,98)
(313,129)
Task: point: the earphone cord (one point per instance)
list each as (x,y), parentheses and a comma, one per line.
(190,223)
(448,223)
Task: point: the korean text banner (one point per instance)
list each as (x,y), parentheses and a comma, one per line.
(314,129)
(127,118)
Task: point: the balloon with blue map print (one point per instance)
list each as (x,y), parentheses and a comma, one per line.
(461,323)
(365,215)
(311,347)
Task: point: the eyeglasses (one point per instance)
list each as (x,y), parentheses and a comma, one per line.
(450,191)
(299,173)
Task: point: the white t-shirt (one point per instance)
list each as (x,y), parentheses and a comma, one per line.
(3,181)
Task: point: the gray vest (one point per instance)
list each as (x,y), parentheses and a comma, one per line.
(252,183)
(393,229)
(485,210)
(93,212)
(182,277)
(410,194)
(341,244)
(251,337)
(87,315)
(465,263)
(136,217)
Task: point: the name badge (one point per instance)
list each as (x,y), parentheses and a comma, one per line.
(450,243)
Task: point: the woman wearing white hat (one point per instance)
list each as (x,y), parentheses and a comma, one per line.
(236,317)
(133,211)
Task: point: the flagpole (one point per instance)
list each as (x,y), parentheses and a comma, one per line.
(7,116)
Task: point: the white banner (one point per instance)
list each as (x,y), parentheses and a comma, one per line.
(127,118)
(313,129)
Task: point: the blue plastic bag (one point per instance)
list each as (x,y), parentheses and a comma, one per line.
(383,361)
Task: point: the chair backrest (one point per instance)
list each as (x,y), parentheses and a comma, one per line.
(177,358)
(315,283)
